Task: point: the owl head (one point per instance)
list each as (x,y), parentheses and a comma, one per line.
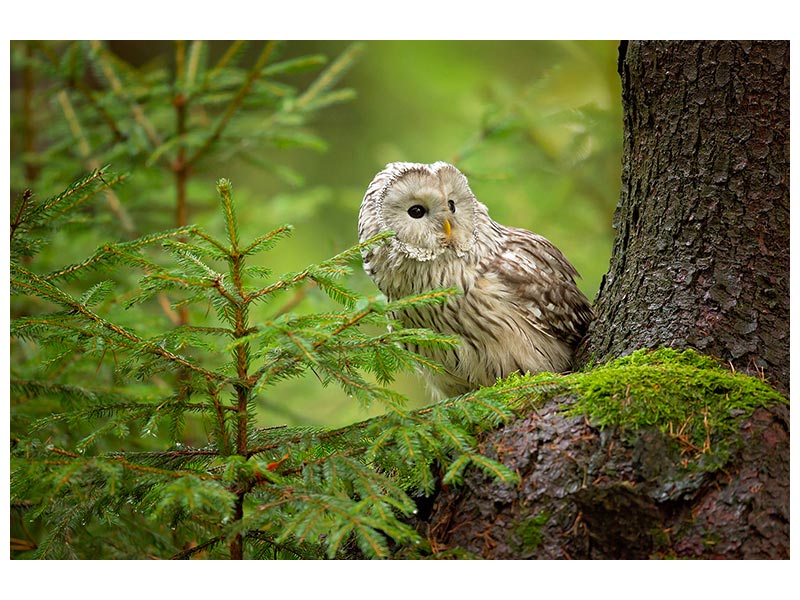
(430,208)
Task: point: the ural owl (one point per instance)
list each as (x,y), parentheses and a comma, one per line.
(519,310)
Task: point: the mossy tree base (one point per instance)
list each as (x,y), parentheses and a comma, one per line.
(628,489)
(701,253)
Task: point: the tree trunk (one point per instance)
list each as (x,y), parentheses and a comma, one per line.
(701,256)
(701,260)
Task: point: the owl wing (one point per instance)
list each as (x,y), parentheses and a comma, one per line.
(541,281)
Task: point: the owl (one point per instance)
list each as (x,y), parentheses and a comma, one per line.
(519,308)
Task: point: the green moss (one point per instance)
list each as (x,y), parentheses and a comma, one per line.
(694,398)
(661,538)
(527,535)
(690,396)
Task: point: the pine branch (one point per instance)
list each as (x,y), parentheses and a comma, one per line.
(104,62)
(234,105)
(38,213)
(232,229)
(123,252)
(267,241)
(86,93)
(85,151)
(332,266)
(313,96)
(189,552)
(235,50)
(22,208)
(38,286)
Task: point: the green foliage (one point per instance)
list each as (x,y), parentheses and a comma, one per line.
(552,93)
(301,492)
(154,361)
(689,396)
(176,118)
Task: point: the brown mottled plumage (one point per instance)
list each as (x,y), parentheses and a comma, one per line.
(520,309)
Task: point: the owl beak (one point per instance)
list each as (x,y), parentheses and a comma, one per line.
(447,228)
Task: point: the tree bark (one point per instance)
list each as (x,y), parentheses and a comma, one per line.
(701,260)
(586,493)
(701,256)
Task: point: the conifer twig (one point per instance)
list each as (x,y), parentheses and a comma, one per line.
(279,285)
(329,77)
(86,93)
(27,194)
(62,298)
(254,74)
(220,414)
(86,153)
(191,551)
(300,294)
(229,54)
(119,89)
(118,250)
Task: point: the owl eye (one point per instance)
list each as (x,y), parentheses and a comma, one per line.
(452,206)
(417,211)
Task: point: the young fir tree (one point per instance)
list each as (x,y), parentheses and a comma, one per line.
(279,491)
(105,394)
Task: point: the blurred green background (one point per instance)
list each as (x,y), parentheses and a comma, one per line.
(535,125)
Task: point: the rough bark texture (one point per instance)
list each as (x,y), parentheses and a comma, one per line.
(701,260)
(701,256)
(614,494)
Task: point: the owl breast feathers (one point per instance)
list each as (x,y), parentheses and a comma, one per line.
(519,310)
